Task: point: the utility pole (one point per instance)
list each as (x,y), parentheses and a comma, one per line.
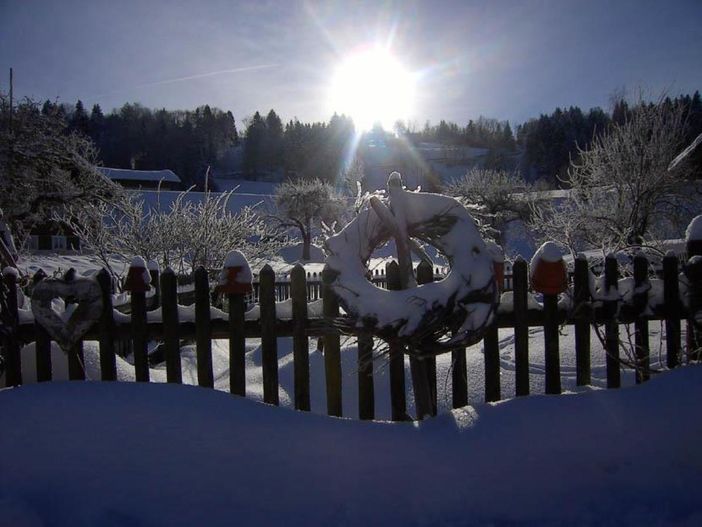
(10,99)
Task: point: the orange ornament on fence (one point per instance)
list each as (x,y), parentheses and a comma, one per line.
(549,275)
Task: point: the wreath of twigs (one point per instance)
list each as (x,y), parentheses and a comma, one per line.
(429,319)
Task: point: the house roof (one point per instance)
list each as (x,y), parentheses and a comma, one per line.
(123,174)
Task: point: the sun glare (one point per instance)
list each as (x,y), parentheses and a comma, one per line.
(372,87)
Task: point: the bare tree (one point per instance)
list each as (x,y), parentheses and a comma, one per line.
(43,168)
(621,191)
(305,204)
(494,197)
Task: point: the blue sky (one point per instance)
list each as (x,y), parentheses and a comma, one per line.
(504,59)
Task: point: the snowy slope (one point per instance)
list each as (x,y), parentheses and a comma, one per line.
(152,454)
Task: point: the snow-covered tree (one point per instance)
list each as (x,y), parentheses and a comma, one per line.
(43,167)
(307,203)
(494,197)
(622,191)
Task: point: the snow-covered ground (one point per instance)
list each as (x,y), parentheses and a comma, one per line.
(118,454)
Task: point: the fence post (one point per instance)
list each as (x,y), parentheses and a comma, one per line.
(611,322)
(108,361)
(583,312)
(520,290)
(154,272)
(171,326)
(13,364)
(332,346)
(203,342)
(76,370)
(42,345)
(641,324)
(427,366)
(398,397)
(671,298)
(269,340)
(301,352)
(237,344)
(491,352)
(137,285)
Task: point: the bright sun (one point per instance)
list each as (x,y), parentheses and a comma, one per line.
(372,87)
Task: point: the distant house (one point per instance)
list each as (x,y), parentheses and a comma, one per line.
(143,179)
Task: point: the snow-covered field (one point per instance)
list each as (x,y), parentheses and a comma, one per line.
(118,454)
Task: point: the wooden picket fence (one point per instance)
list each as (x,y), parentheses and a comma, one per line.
(171,329)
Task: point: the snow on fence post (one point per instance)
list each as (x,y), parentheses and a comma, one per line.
(332,346)
(269,341)
(108,360)
(582,315)
(13,365)
(425,275)
(171,328)
(611,294)
(640,300)
(549,277)
(42,344)
(520,291)
(671,299)
(301,352)
(137,283)
(398,398)
(203,342)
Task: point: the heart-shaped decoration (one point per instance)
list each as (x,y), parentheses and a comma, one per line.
(85,292)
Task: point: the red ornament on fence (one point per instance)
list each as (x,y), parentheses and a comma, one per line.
(138,278)
(236,277)
(549,275)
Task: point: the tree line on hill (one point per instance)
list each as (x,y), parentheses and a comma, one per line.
(136,137)
(190,141)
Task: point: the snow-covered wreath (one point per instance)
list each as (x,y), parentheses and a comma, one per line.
(432,318)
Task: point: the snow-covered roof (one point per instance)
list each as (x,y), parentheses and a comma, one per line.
(123,174)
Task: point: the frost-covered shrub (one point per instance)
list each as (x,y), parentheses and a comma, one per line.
(194,229)
(622,192)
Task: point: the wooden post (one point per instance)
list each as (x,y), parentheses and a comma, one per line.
(641,323)
(332,346)
(139,336)
(459,378)
(13,364)
(425,275)
(612,324)
(583,311)
(43,342)
(671,298)
(491,351)
(551,352)
(108,361)
(398,398)
(171,326)
(76,361)
(520,292)
(301,352)
(237,344)
(203,342)
(154,272)
(269,340)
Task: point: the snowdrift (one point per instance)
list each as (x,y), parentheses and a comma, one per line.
(79,453)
